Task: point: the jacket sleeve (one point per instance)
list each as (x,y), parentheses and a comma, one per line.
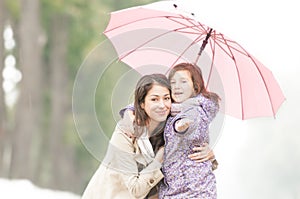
(139,183)
(210,107)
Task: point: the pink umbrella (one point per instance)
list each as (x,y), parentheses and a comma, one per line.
(155,37)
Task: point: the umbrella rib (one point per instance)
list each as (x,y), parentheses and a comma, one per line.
(188,32)
(149,40)
(261,75)
(224,43)
(246,54)
(222,40)
(178,57)
(132,22)
(172,18)
(199,26)
(213,48)
(238,74)
(131,51)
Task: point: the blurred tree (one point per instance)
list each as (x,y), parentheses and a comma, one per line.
(70,31)
(53,38)
(9,15)
(29,107)
(3,118)
(61,158)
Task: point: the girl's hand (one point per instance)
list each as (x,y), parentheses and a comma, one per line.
(126,123)
(182,124)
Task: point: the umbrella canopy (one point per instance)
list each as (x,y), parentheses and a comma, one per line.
(163,34)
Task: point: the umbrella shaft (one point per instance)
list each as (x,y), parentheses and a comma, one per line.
(203,45)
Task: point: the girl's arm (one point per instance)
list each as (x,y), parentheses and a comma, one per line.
(209,106)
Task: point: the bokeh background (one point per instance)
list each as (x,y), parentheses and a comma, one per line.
(43,45)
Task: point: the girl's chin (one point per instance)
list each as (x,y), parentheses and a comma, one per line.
(178,100)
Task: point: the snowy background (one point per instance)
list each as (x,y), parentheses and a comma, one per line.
(11,189)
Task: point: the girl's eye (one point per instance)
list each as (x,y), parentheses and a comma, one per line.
(167,98)
(154,99)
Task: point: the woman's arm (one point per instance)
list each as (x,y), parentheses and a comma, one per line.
(204,153)
(139,183)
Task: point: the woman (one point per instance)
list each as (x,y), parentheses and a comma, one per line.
(131,167)
(185,178)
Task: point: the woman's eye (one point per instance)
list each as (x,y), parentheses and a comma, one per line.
(167,98)
(172,82)
(154,99)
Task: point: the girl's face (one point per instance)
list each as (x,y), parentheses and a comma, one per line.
(157,104)
(182,86)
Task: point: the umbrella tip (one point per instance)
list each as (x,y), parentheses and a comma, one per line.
(175,6)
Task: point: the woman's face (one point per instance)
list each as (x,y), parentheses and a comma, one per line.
(157,104)
(182,86)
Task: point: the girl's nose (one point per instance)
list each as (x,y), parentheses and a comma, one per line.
(175,85)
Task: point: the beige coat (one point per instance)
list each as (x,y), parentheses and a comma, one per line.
(118,177)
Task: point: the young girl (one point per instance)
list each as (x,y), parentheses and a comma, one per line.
(185,178)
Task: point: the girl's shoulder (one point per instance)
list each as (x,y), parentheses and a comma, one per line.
(129,107)
(125,126)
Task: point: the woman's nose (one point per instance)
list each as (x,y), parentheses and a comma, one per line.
(161,103)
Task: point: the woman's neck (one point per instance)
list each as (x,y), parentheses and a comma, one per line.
(151,127)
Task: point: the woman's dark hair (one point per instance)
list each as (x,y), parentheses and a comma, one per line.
(142,88)
(197,79)
(141,118)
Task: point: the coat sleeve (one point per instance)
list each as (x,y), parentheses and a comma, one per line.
(210,107)
(139,183)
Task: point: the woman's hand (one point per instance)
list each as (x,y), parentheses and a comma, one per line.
(202,154)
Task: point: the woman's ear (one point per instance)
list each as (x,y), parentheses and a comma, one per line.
(142,105)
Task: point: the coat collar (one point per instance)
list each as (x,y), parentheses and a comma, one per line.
(144,153)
